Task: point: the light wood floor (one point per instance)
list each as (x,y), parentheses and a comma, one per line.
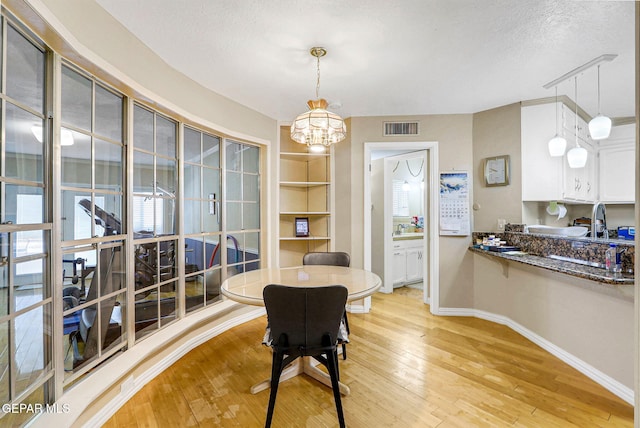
(405,368)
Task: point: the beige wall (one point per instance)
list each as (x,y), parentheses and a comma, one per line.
(454,136)
(590,321)
(497,132)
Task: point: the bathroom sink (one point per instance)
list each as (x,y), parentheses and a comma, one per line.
(570,231)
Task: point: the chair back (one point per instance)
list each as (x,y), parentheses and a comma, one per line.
(335,258)
(304,318)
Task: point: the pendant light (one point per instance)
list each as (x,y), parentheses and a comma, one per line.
(599,126)
(557,144)
(318,128)
(577,156)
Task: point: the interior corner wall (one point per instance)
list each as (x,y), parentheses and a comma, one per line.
(453,133)
(497,132)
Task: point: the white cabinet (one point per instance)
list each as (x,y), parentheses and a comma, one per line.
(617,166)
(408,261)
(580,184)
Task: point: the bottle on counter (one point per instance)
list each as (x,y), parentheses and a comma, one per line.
(610,258)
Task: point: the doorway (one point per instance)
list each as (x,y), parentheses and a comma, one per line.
(379,228)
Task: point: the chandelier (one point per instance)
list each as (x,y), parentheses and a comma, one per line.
(318,128)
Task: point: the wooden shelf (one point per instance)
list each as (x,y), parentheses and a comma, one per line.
(301,213)
(304,238)
(305,191)
(304,183)
(301,156)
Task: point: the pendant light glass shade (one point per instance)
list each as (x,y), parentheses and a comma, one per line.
(318,128)
(557,146)
(599,126)
(577,157)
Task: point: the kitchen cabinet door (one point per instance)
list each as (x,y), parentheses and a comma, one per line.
(414,264)
(399,266)
(617,173)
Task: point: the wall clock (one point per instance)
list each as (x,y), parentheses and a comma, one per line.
(496,171)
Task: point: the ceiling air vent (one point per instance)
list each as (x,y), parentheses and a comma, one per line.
(400,128)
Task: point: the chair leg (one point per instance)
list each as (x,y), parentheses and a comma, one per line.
(276,370)
(332,361)
(346,325)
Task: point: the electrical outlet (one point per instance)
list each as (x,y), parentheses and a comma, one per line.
(501,223)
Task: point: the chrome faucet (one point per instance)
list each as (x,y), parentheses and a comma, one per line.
(599,228)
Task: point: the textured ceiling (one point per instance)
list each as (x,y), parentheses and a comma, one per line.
(391,57)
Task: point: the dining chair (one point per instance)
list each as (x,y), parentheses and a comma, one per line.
(332,258)
(304,322)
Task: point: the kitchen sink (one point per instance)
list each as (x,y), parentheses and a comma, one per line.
(570,231)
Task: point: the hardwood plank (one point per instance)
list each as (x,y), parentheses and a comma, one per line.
(406,368)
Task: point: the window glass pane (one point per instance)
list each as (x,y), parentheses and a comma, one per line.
(146,311)
(30,356)
(22,150)
(234,186)
(234,216)
(4,294)
(251,246)
(234,156)
(165,137)
(194,254)
(4,362)
(142,129)
(211,151)
(192,149)
(112,309)
(235,249)
(23,205)
(250,159)
(108,114)
(144,215)
(25,71)
(76,215)
(211,216)
(76,99)
(191,181)
(166,173)
(28,289)
(146,265)
(211,184)
(168,303)
(165,216)
(251,215)
(84,344)
(192,213)
(250,188)
(108,165)
(212,283)
(212,251)
(168,260)
(142,172)
(108,215)
(76,160)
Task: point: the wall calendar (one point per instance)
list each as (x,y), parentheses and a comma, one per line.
(454,203)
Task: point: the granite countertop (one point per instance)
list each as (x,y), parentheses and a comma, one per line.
(587,272)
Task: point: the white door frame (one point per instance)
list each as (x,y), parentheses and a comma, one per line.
(431,241)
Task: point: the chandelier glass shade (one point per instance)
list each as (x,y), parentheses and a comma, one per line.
(318,128)
(577,156)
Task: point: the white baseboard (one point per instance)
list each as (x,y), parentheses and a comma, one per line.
(591,372)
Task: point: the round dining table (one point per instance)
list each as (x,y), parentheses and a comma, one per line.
(247,288)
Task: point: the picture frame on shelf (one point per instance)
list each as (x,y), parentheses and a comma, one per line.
(302,227)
